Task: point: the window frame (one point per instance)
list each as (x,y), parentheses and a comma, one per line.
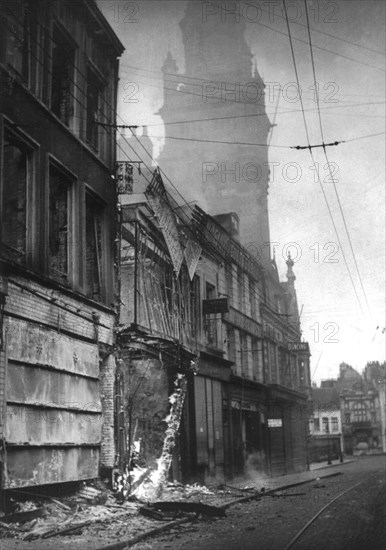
(72,232)
(334,424)
(8,126)
(26,44)
(89,191)
(92,68)
(47,84)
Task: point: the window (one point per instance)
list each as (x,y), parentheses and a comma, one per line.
(334,424)
(347,418)
(59,187)
(195,305)
(94,248)
(63,59)
(257,359)
(95,88)
(267,377)
(231,344)
(16,173)
(325,424)
(273,362)
(210,320)
(252,298)
(17,37)
(359,412)
(316,424)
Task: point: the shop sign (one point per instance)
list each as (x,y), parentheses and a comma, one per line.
(124,178)
(243,322)
(217,305)
(297,346)
(275,422)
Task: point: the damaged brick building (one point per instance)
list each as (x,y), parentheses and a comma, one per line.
(59,72)
(196,302)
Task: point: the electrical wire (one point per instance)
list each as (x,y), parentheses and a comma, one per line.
(258,295)
(323,32)
(313,160)
(318,47)
(327,160)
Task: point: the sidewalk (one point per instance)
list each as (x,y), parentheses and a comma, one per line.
(322,465)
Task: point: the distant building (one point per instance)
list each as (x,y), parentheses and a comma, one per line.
(326,439)
(362,406)
(221,96)
(361,420)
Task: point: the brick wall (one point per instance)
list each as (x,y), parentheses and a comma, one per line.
(2,392)
(107,390)
(33,301)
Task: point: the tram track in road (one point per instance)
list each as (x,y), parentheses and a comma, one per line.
(370,482)
(326,513)
(315,517)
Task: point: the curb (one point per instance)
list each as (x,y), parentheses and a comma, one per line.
(348,461)
(153,532)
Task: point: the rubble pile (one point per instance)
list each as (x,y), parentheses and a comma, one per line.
(100,510)
(49,517)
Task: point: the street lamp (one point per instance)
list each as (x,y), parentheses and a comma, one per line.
(328,445)
(340,449)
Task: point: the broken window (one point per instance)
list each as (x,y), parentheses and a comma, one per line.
(94,247)
(58,224)
(16,162)
(95,89)
(62,75)
(17,37)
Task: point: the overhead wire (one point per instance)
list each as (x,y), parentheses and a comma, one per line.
(314,163)
(323,32)
(318,47)
(328,162)
(228,100)
(257,294)
(72,80)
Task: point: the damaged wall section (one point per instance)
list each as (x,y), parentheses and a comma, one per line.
(53,408)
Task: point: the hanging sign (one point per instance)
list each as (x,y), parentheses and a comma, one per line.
(297,346)
(216,305)
(124,178)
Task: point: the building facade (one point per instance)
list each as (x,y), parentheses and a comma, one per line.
(59,71)
(326,432)
(361,406)
(247,383)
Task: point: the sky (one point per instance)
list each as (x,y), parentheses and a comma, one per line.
(340,272)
